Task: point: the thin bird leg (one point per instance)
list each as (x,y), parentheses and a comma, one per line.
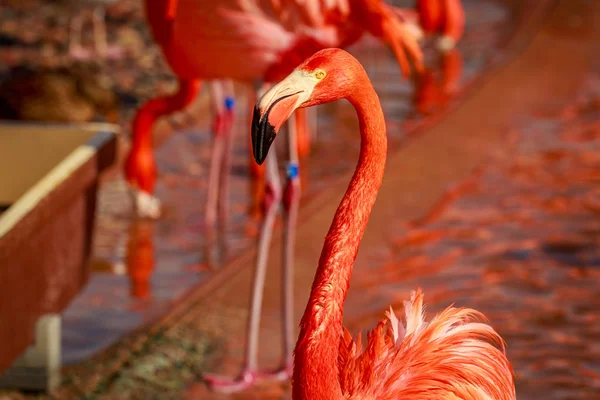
(249,374)
(99,24)
(453,25)
(228,137)
(216,160)
(291,203)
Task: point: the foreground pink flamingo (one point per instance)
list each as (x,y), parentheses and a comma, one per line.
(451,357)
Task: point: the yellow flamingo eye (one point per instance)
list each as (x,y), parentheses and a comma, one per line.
(319,74)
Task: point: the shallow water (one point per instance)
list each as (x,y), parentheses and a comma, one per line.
(521,243)
(141,267)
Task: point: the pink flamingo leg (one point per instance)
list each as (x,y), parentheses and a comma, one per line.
(226,165)
(249,373)
(219,132)
(273,197)
(291,203)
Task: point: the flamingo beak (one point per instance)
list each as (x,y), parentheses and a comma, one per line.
(275,107)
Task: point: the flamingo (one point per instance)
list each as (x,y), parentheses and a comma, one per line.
(442,16)
(453,356)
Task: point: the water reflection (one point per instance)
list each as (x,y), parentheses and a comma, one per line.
(140,257)
(439,84)
(520,241)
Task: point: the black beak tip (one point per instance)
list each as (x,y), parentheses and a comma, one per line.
(263,134)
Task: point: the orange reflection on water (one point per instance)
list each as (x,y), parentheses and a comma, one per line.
(433,94)
(140,259)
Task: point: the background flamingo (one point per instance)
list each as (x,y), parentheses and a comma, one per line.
(451,357)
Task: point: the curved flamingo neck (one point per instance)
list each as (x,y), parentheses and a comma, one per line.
(153,109)
(316,356)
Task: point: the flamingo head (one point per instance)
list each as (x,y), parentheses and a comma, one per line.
(324,77)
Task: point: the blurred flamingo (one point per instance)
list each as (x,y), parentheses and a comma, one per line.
(454,356)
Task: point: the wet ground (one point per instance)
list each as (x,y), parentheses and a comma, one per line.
(517,240)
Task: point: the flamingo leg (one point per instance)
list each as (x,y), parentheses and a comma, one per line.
(249,370)
(291,203)
(453,25)
(226,164)
(219,131)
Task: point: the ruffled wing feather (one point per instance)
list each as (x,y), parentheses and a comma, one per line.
(454,356)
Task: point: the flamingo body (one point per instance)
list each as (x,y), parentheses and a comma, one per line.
(245,40)
(445,358)
(430,15)
(225,39)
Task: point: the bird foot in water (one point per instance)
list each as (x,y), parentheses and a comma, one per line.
(280,374)
(446,43)
(146,205)
(223,384)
